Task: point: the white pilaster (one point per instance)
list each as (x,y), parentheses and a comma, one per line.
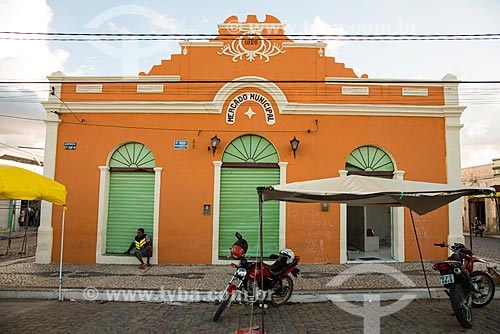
(343,226)
(102,213)
(216,211)
(453,163)
(156,217)
(398,226)
(45,231)
(282,227)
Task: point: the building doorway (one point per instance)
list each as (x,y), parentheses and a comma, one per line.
(248,161)
(370,231)
(131,196)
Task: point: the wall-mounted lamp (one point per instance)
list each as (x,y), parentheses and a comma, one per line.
(324,206)
(295,144)
(206,209)
(214,141)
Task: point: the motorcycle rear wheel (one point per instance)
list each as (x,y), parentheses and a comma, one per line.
(283,291)
(461,301)
(486,288)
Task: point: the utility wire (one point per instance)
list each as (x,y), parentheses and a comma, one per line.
(96,37)
(215,35)
(230,39)
(346,81)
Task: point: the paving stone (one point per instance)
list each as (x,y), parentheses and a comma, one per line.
(420,316)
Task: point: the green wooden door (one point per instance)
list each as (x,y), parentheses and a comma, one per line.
(130,206)
(131,196)
(249,161)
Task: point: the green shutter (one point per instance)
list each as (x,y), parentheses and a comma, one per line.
(239,209)
(369,159)
(130,206)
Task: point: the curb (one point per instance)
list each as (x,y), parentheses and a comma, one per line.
(185,296)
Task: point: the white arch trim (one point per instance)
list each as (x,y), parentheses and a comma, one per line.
(252,82)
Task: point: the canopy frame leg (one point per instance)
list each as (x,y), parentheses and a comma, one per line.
(61,298)
(420,253)
(261,241)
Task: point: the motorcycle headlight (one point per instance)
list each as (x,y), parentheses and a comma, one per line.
(241,272)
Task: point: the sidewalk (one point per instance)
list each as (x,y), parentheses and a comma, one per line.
(25,279)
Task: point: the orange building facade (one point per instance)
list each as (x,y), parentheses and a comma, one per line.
(180,149)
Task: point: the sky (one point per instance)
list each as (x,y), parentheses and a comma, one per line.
(469,60)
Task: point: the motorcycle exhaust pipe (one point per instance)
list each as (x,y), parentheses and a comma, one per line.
(461,275)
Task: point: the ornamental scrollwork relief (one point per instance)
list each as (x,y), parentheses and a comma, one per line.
(264,48)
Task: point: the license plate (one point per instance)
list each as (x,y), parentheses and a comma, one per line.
(447,279)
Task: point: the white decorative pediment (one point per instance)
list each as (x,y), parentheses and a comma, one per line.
(251,45)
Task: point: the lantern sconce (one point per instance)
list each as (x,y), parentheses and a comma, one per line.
(295,144)
(214,141)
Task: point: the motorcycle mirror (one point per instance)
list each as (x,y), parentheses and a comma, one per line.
(238,236)
(273,257)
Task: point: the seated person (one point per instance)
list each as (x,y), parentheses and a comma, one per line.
(143,248)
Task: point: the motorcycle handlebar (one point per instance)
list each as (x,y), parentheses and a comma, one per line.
(441,245)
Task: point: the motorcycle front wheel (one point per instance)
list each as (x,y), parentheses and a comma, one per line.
(223,305)
(461,301)
(283,291)
(486,289)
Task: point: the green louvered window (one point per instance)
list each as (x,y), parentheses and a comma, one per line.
(250,149)
(369,159)
(131,195)
(248,162)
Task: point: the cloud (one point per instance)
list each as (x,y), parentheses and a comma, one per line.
(131,53)
(480,136)
(320,27)
(164,24)
(25,61)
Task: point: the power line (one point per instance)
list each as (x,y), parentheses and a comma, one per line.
(215,35)
(57,97)
(233,35)
(332,81)
(228,39)
(97,37)
(17,149)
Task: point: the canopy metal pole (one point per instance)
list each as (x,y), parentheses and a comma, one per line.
(472,220)
(498,212)
(261,257)
(61,255)
(420,253)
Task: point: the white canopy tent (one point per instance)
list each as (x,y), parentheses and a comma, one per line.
(420,197)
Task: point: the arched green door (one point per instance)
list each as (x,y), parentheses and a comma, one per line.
(249,161)
(131,195)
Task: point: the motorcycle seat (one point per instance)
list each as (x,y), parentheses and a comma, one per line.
(278,267)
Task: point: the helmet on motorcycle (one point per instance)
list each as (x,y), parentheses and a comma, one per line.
(237,252)
(288,254)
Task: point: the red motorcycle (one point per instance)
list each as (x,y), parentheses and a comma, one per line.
(256,280)
(463,285)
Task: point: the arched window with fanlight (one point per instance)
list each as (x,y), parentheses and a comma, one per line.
(370,160)
(131,195)
(370,231)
